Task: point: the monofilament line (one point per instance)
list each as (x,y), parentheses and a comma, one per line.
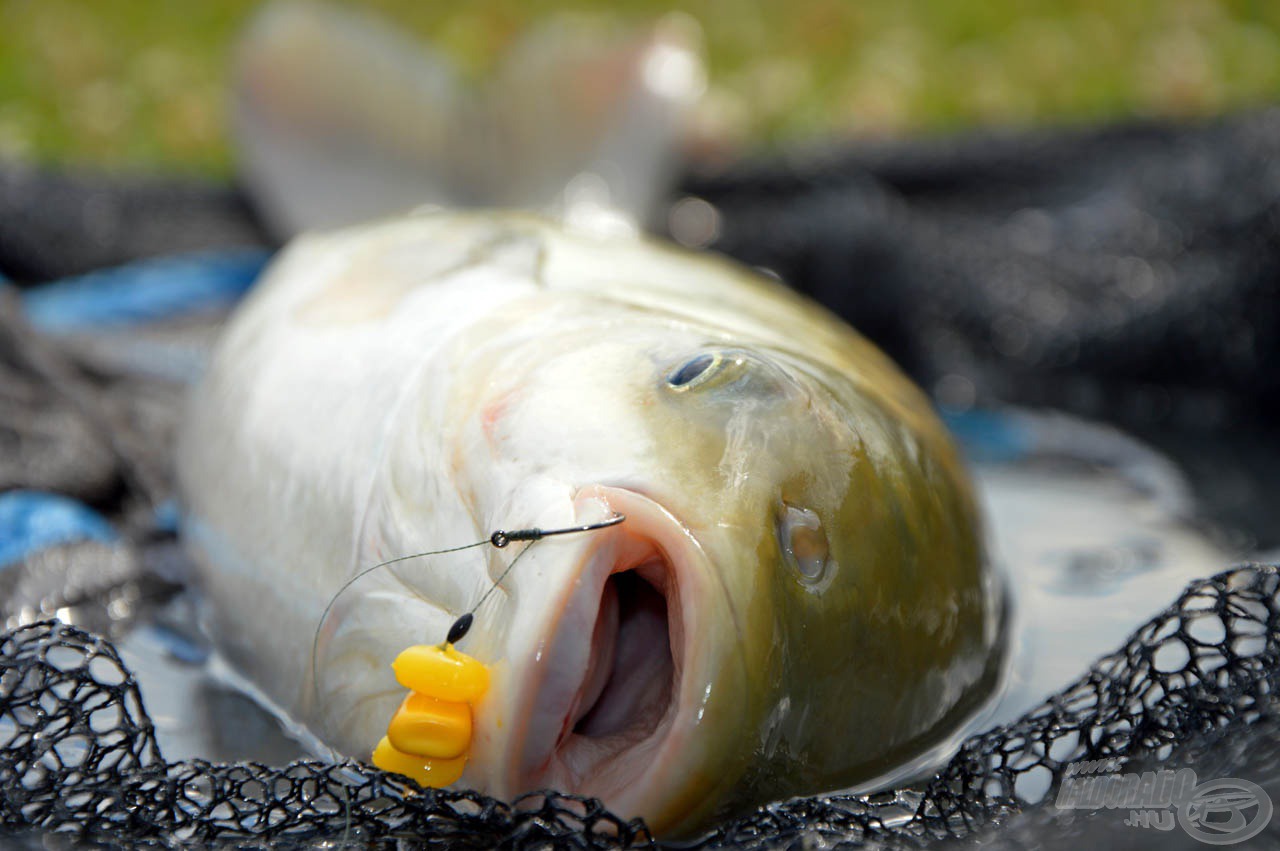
(462,625)
(315,638)
(500,539)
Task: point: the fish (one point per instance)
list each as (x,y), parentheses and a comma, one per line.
(799,598)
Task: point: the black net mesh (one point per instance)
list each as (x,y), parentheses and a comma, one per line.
(1127,271)
(1130,271)
(58,223)
(1194,686)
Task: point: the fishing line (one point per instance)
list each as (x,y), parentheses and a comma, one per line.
(500,539)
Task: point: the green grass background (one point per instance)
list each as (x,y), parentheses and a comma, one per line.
(129,83)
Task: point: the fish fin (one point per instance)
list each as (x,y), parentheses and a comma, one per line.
(593,117)
(340,118)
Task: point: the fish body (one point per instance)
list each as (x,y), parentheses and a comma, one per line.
(798,599)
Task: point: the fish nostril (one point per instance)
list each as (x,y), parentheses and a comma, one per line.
(803,543)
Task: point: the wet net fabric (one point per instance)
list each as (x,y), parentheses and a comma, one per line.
(1127,271)
(924,246)
(1195,686)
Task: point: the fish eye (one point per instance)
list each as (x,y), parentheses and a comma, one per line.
(743,372)
(803,543)
(695,371)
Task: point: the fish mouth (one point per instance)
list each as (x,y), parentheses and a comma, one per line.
(612,698)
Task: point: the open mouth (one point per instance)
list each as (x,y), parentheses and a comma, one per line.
(610,692)
(628,683)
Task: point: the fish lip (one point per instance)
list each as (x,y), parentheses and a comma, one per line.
(633,778)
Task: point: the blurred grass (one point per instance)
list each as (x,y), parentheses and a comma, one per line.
(139,83)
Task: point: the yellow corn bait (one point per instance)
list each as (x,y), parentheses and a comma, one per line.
(445,674)
(430,734)
(429,727)
(428,772)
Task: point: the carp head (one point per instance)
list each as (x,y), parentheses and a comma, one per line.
(798,599)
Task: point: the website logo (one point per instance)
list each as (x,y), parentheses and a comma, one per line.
(1217,812)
